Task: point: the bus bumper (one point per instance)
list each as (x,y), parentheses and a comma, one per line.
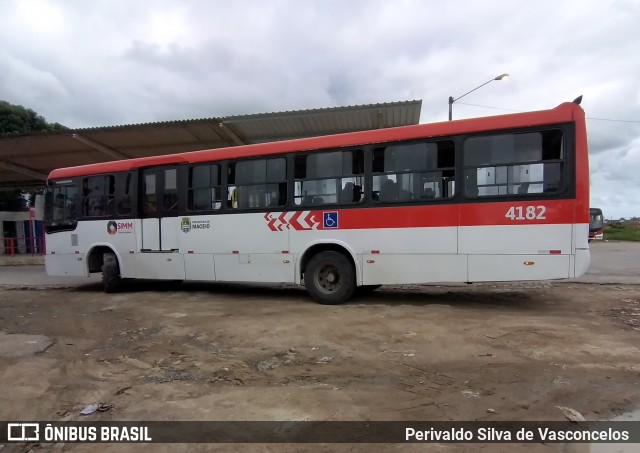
(582,261)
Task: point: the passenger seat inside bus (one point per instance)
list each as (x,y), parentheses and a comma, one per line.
(351,193)
(388,191)
(404,195)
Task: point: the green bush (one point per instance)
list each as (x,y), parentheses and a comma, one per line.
(622,231)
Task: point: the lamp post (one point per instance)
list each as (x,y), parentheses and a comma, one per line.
(452,100)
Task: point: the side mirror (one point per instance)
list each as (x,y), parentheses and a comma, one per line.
(38,207)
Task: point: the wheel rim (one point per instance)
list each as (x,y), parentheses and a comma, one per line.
(327,278)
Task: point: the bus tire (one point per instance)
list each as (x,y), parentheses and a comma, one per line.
(330,278)
(111,279)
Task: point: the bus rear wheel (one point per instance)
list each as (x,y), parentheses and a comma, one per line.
(330,278)
(111,279)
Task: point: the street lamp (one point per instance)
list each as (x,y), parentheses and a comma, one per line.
(452,100)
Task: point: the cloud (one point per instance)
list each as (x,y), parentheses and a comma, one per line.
(37,84)
(615,180)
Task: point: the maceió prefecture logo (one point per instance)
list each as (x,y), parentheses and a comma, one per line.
(186,224)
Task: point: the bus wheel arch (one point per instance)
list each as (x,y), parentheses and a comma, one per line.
(104,259)
(329,272)
(95,257)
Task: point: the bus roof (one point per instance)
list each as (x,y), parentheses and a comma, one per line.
(566,112)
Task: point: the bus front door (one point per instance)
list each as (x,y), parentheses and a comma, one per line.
(160,223)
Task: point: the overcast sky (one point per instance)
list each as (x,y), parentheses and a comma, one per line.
(106,62)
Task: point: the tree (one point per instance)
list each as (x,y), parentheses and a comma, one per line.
(16,121)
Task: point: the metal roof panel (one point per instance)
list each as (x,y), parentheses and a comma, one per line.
(44,152)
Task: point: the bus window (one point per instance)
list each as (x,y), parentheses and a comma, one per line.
(149,205)
(258,183)
(514,164)
(413,171)
(61,208)
(596,224)
(124,200)
(98,196)
(329,178)
(204,191)
(170,190)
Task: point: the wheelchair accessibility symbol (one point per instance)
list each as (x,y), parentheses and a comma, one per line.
(330,220)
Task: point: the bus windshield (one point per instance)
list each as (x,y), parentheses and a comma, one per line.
(60,206)
(596,220)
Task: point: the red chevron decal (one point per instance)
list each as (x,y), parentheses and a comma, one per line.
(298,220)
(311,221)
(270,221)
(293,221)
(283,221)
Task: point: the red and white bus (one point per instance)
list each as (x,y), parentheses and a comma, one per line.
(502,198)
(596,224)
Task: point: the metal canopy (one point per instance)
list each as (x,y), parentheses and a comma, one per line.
(26,161)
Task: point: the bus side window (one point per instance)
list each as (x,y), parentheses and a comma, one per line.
(508,164)
(257,183)
(98,195)
(170,190)
(204,187)
(329,178)
(402,172)
(123,194)
(110,207)
(149,195)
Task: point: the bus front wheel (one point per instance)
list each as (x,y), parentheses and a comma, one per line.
(110,273)
(330,278)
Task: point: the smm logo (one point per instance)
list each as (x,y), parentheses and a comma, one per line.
(119,227)
(112,227)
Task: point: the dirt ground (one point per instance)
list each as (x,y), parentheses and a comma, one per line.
(221,352)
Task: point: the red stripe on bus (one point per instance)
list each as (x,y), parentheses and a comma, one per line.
(478,214)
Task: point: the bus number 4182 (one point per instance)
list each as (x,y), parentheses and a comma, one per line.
(526,213)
